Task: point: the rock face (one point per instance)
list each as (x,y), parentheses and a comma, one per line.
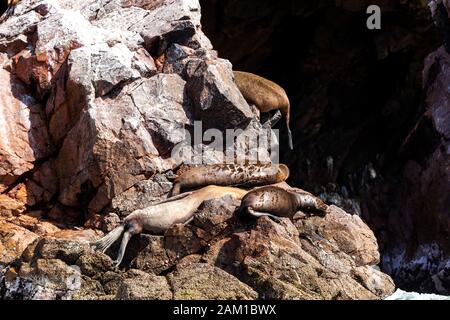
(381,93)
(426,191)
(90,114)
(221,255)
(98,96)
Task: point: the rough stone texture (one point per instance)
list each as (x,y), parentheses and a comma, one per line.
(13,241)
(143,286)
(100,94)
(423,257)
(220,255)
(67,250)
(347,232)
(48,279)
(286,261)
(91,119)
(200,281)
(151,255)
(370,126)
(24,134)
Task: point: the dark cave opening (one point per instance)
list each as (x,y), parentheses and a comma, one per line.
(356,96)
(3,7)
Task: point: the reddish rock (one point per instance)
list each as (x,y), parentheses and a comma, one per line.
(139,285)
(13,241)
(151,255)
(120,82)
(10,206)
(24,136)
(418,253)
(181,241)
(34,224)
(200,281)
(347,232)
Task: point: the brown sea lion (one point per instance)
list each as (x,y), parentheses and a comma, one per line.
(159,217)
(278,203)
(230,175)
(265,95)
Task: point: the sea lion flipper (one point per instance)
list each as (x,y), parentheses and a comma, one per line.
(262,214)
(275,118)
(104,243)
(188,221)
(177,197)
(126,237)
(291,146)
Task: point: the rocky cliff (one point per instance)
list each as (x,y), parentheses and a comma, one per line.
(370,113)
(94,97)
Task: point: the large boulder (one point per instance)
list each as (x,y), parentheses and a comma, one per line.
(98,97)
(220,255)
(425,262)
(92,118)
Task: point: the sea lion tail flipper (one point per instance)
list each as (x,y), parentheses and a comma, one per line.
(291,146)
(188,221)
(273,120)
(126,237)
(276,117)
(104,243)
(262,214)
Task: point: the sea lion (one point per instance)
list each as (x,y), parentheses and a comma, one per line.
(265,95)
(230,175)
(159,217)
(278,203)
(10,10)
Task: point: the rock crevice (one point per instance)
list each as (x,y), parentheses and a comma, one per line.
(100,93)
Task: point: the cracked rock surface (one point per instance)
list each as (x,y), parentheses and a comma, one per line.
(97,95)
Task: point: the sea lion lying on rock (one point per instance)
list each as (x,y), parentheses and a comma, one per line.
(159,217)
(279,203)
(231,175)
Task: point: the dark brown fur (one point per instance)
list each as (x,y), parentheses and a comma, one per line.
(277,202)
